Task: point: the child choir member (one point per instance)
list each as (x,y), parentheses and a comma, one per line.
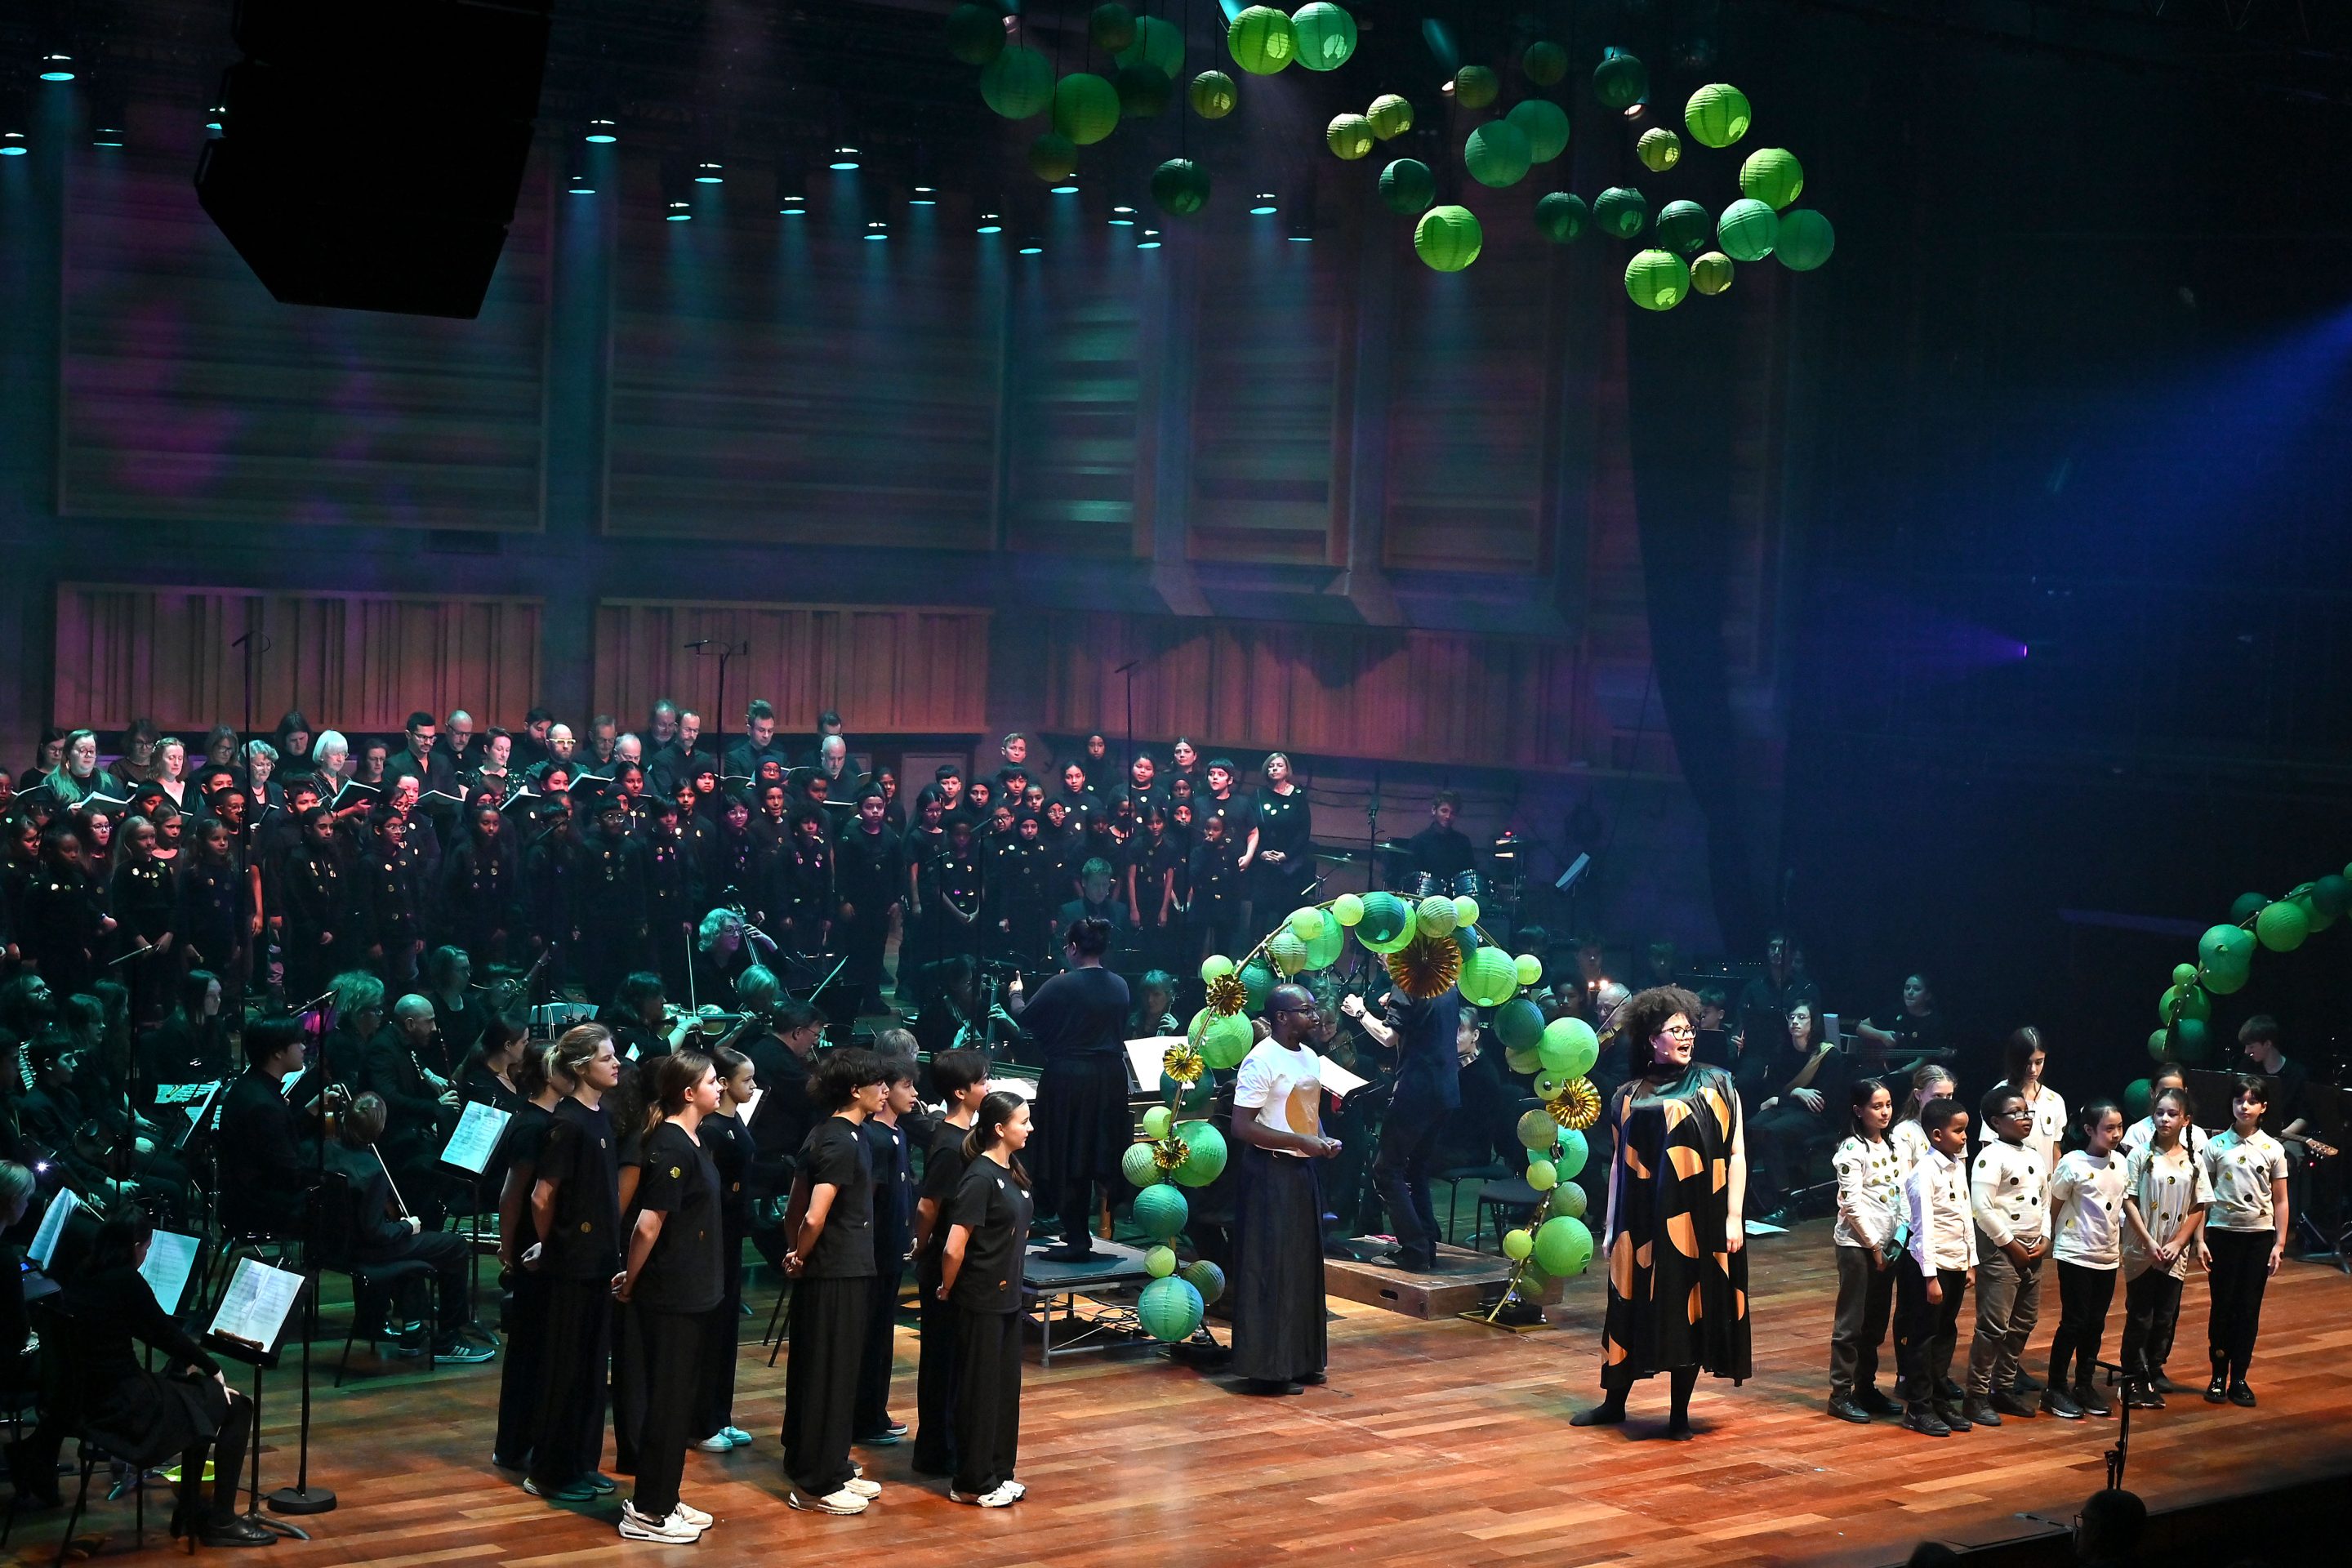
(1869,1210)
(575,1209)
(2245,1236)
(960,1079)
(543,1086)
(2087,1197)
(980,1272)
(2164,1212)
(728,1140)
(831,1262)
(1932,1277)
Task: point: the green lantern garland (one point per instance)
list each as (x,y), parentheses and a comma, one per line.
(1085,108)
(1656,280)
(1620,81)
(1180,186)
(1390,115)
(1806,239)
(1711,273)
(1157,43)
(1349,136)
(1659,149)
(1169,1310)
(1475,86)
(1053,157)
(975,33)
(1545,63)
(1112,27)
(1772,175)
(1747,229)
(1683,226)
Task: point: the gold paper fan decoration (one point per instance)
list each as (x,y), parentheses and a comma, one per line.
(1577,1106)
(1427,967)
(1182,1063)
(1170,1151)
(1227,994)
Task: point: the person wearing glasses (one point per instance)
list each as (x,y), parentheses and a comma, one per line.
(1278,1286)
(1674,1237)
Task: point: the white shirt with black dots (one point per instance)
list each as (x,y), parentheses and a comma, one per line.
(2088,1192)
(2006,1191)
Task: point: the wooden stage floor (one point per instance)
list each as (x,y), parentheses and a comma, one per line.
(1442,1442)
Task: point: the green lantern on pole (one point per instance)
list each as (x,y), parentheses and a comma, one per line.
(1204,1154)
(1748,230)
(1489,978)
(1157,43)
(1572,1154)
(1519,1244)
(1772,175)
(1407,187)
(1545,63)
(1563,1247)
(1717,115)
(1569,1047)
(2228,948)
(1806,239)
(1157,1121)
(1622,210)
(1262,40)
(1495,154)
(1222,1039)
(1258,981)
(1328,943)
(2182,1001)
(1537,1131)
(1385,918)
(1159,1262)
(1204,1276)
(1213,95)
(1347,908)
(2247,906)
(2189,1039)
(1568,1200)
(1620,81)
(1545,125)
(1053,158)
(1018,83)
(1286,952)
(1349,136)
(975,33)
(1659,149)
(1391,116)
(1711,273)
(1518,1024)
(1112,27)
(1683,227)
(1542,1175)
(1217,966)
(1563,216)
(1169,1309)
(1160,1211)
(1435,915)
(1085,108)
(1475,86)
(1529,968)
(1656,280)
(1307,922)
(1326,34)
(1141,1165)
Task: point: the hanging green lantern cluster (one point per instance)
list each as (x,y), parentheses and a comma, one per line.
(2225,954)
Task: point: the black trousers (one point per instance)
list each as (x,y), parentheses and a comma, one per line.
(519,1379)
(1408,1144)
(2083,1297)
(569,1433)
(828,1340)
(1865,1299)
(714,1406)
(987,1400)
(669,1350)
(228,1448)
(451,1257)
(872,1414)
(1924,1331)
(2151,1312)
(1778,1142)
(935,1382)
(2241,1269)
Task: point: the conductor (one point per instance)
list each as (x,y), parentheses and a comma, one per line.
(1078,1019)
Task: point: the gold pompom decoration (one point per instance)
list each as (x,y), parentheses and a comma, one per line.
(1170,1151)
(1184,1064)
(1427,967)
(1227,995)
(1577,1106)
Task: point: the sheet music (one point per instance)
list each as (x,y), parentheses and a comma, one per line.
(53,1225)
(1338,1080)
(254,1311)
(170,1258)
(477,1137)
(1144,1058)
(1019,1088)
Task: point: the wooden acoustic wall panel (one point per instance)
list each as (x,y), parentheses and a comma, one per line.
(1265,398)
(1472,410)
(189,394)
(1336,690)
(1075,406)
(885,669)
(781,380)
(354,662)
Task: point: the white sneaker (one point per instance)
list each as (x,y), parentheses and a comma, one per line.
(671,1532)
(1016,1489)
(717,1443)
(1000,1497)
(843,1501)
(695,1516)
(862,1487)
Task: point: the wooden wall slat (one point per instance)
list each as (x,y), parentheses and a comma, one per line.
(1264,394)
(1076,403)
(885,670)
(356,662)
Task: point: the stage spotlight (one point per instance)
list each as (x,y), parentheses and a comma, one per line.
(603,133)
(676,187)
(1150,240)
(792,189)
(1265,205)
(990,223)
(13,125)
(1067,188)
(677,213)
(1032,245)
(1122,217)
(1302,214)
(11,143)
(878,229)
(214,116)
(924,197)
(57,67)
(710,172)
(576,178)
(844,159)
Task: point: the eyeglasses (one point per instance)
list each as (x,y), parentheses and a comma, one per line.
(1680,1032)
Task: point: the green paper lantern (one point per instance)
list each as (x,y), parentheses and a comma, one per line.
(2140,1095)
(1467,940)
(2182,1001)
(1161,1261)
(1549,1085)
(1018,83)
(1325,950)
(1391,116)
(1545,125)
(1495,154)
(1217,966)
(2184,974)
(1222,1040)
(1522,1060)
(1307,923)
(1348,135)
(1326,34)
(1213,95)
(975,33)
(1659,149)
(1385,916)
(1489,978)
(1518,1024)
(1347,908)
(1157,1120)
(2332,894)
(2321,919)
(1475,86)
(1806,241)
(1563,216)
(1622,210)
(1748,230)
(1620,81)
(1529,968)
(1656,280)
(1407,187)
(1053,158)
(1157,43)
(2225,947)
(1085,108)
(1286,952)
(1160,1211)
(1435,915)
(1169,1311)
(2247,907)
(1717,115)
(1139,1166)
(1568,1199)
(1465,912)
(1683,226)
(1772,175)
(1193,1096)
(1258,980)
(1563,1247)
(1545,63)
(1537,1131)
(2159,1044)
(1569,1047)
(2282,926)
(1711,273)
(1542,1175)
(1572,1153)
(1204,1276)
(2188,1039)
(1143,92)
(1262,40)
(1518,1245)
(1112,28)
(1204,1156)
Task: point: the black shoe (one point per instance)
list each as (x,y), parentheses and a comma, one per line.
(2025,1382)
(1842,1407)
(2090,1402)
(2004,1402)
(2218,1390)
(1315,1378)
(1875,1403)
(883,1439)
(2054,1402)
(2165,1385)
(1951,1416)
(1067,1252)
(1412,1262)
(1605,1414)
(2141,1394)
(1922,1420)
(1948,1393)
(239,1531)
(1980,1412)
(2240,1394)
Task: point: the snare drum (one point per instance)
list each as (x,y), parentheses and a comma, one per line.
(1469,884)
(1426,885)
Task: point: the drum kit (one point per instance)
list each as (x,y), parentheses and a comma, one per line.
(1500,895)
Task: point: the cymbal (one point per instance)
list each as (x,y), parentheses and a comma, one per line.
(1391,847)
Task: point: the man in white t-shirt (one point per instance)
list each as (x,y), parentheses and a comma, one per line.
(1279,1343)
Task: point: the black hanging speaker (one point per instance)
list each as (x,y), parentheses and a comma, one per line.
(370,149)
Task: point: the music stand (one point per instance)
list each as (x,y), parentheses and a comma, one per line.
(472,1145)
(249,1326)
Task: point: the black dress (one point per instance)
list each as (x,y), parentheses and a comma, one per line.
(1284,825)
(1079,1023)
(943,1168)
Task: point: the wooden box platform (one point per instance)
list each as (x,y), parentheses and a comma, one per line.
(1463,1279)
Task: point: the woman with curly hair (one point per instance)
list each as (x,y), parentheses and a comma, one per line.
(1674,1238)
